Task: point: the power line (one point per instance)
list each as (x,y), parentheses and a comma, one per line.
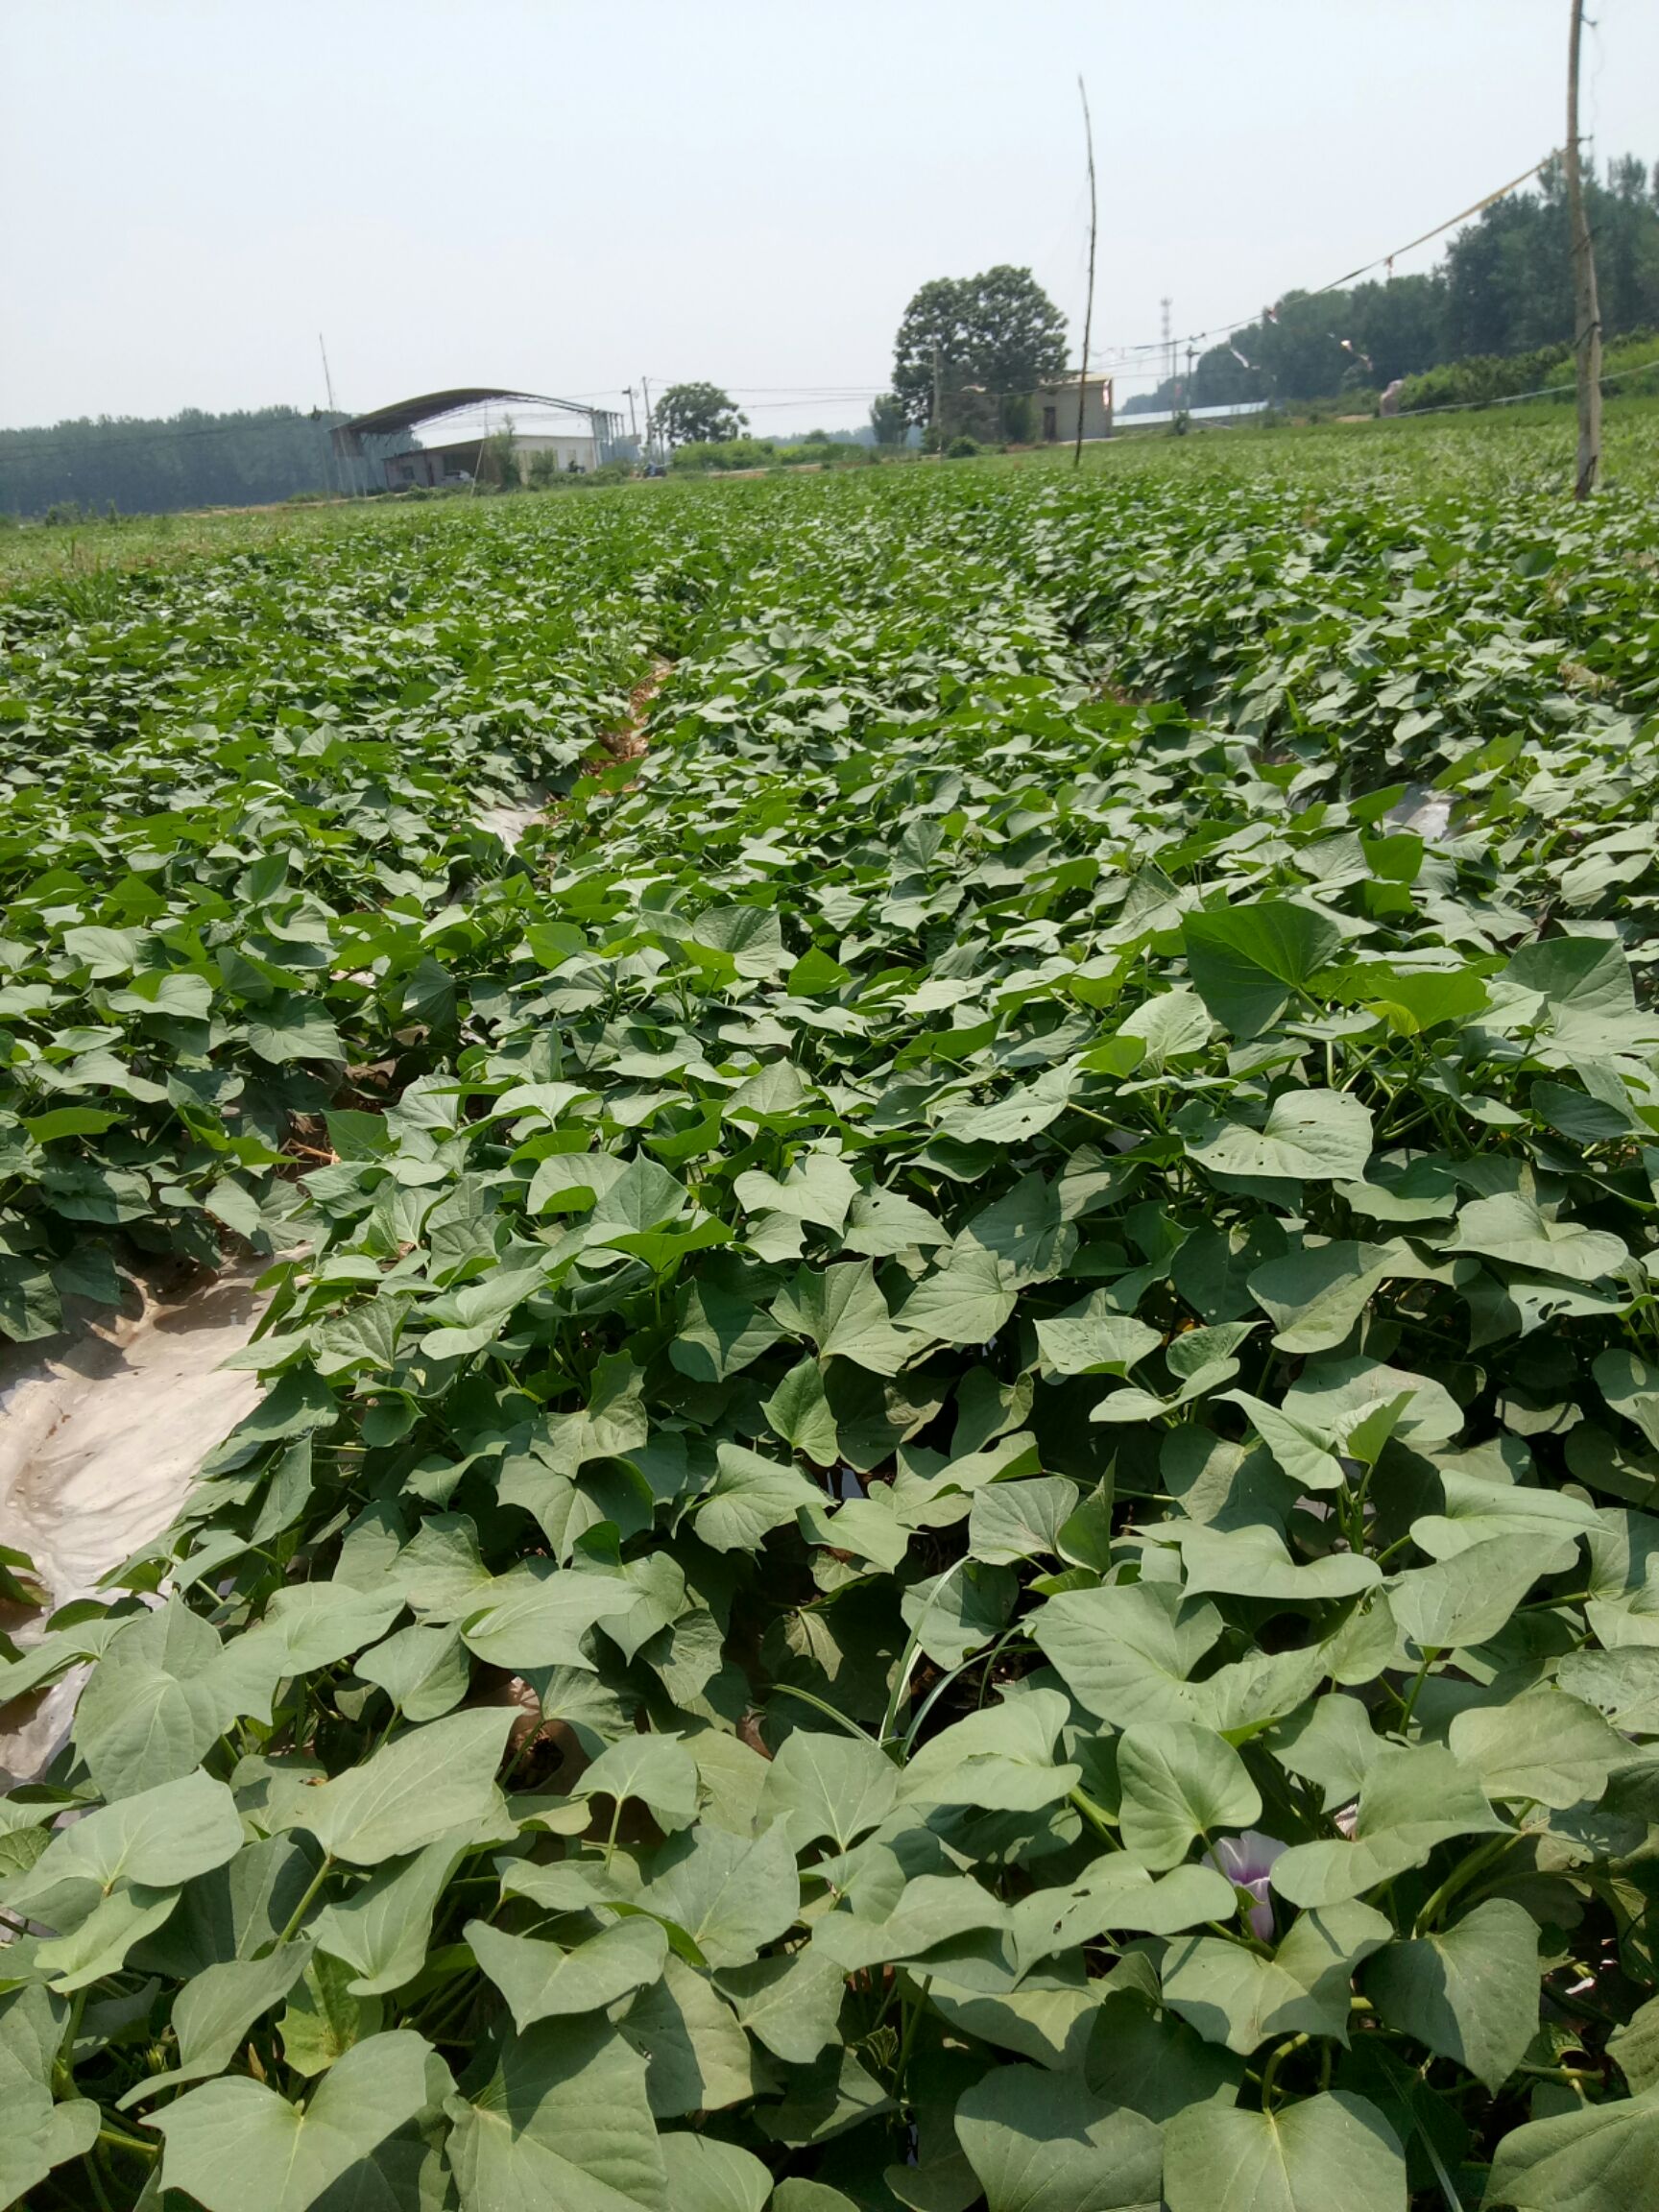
(1336,284)
(826,391)
(1514,399)
(1123,351)
(829,400)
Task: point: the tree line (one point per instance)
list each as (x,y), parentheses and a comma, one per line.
(150,465)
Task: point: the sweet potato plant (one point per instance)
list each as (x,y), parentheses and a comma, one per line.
(958,1496)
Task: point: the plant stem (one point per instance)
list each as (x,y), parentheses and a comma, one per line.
(1279,2052)
(1097,1819)
(902,1681)
(65,2067)
(914,2008)
(807,1698)
(304,1905)
(97,2181)
(108,2132)
(1419,1678)
(1477,1863)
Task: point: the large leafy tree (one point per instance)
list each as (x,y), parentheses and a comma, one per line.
(698,414)
(1509,280)
(992,337)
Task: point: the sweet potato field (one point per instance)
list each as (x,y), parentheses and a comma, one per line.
(958,1496)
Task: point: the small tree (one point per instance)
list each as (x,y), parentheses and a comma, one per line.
(497,461)
(887,418)
(698,415)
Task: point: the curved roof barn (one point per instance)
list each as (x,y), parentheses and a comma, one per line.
(405,416)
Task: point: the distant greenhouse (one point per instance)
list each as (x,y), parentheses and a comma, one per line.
(1240,411)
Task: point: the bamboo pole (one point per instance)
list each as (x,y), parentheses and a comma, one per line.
(1586,308)
(1088,305)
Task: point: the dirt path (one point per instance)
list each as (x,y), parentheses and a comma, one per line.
(628,740)
(625,741)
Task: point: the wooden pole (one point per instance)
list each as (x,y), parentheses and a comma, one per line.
(938,408)
(1586,310)
(1089,304)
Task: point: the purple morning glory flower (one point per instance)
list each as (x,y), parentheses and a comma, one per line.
(1247,1860)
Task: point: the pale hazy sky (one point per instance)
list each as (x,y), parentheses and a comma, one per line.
(566,198)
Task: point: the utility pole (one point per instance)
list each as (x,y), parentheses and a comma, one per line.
(633,419)
(650,439)
(938,405)
(1186,388)
(1088,305)
(1586,309)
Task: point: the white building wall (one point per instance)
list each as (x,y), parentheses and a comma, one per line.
(443,464)
(564,449)
(1055,407)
